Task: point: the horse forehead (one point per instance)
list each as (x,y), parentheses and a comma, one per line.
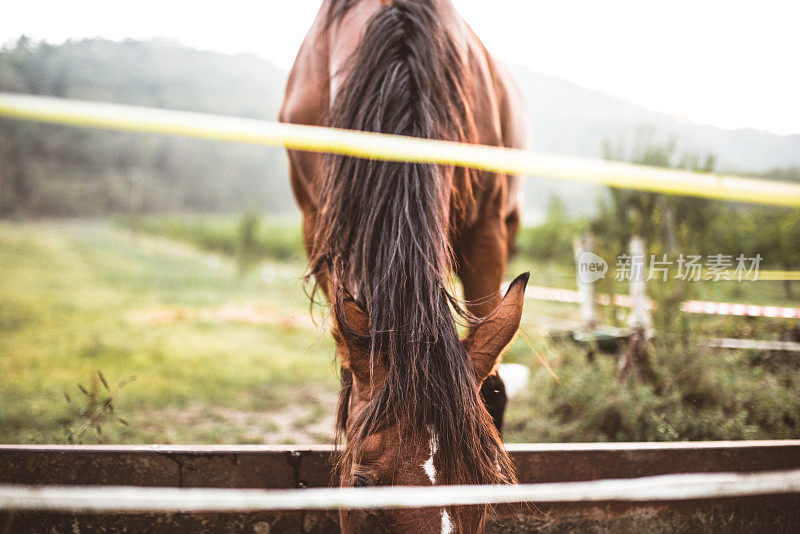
(430,470)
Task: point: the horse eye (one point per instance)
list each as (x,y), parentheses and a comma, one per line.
(360,481)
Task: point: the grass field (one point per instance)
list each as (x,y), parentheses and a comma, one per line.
(77,298)
(225,355)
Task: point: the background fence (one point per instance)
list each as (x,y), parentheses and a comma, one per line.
(272,467)
(398,148)
(775,507)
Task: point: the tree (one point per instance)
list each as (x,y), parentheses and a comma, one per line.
(669,224)
(49,170)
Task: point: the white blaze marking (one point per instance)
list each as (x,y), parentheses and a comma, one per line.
(447,525)
(428,466)
(430,470)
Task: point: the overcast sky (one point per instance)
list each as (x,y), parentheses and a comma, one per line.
(729,63)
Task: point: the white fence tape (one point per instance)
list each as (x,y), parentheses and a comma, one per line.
(689,306)
(754,344)
(109,499)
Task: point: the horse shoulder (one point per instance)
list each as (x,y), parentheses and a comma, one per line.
(486,105)
(344,38)
(514,113)
(305,101)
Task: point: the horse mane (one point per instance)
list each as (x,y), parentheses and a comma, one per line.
(383,240)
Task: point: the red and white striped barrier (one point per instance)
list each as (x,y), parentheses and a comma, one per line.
(690,306)
(550,293)
(748,310)
(569,295)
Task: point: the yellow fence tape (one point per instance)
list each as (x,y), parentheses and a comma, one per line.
(779,275)
(398,148)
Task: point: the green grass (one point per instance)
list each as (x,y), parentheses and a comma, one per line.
(80,297)
(699,394)
(69,299)
(275,238)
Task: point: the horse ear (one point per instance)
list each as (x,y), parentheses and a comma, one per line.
(486,342)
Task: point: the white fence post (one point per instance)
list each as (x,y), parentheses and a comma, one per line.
(583,244)
(640,313)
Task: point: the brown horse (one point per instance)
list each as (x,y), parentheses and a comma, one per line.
(384,237)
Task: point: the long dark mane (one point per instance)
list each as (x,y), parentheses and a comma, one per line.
(385,233)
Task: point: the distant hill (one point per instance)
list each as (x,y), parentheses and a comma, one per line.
(570,119)
(54,170)
(574,120)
